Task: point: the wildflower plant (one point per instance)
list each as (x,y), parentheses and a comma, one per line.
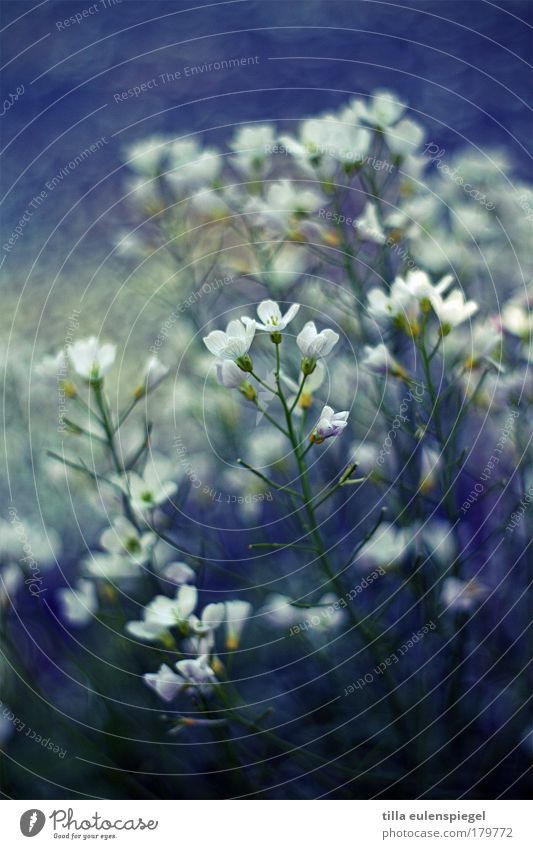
(347,383)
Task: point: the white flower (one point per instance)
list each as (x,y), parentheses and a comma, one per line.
(405,299)
(405,137)
(325,612)
(366,455)
(400,305)
(164,682)
(383,110)
(518,320)
(462,596)
(197,674)
(430,463)
(438,537)
(11,578)
(251,145)
(237,614)
(52,367)
(148,491)
(379,360)
(453,310)
(146,156)
(229,374)
(419,284)
(291,200)
(284,209)
(111,567)
(90,359)
(329,424)
(78,606)
(270,314)
(124,539)
(279,611)
(315,345)
(212,618)
(232,344)
(179,573)
(191,166)
(163,613)
(387,546)
(154,372)
(368,225)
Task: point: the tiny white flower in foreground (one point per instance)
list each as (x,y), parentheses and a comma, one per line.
(270,314)
(148,491)
(237,614)
(462,596)
(163,613)
(164,682)
(234,343)
(90,359)
(78,605)
(453,310)
(329,424)
(379,360)
(179,573)
(197,674)
(212,617)
(229,374)
(315,345)
(154,372)
(368,226)
(123,538)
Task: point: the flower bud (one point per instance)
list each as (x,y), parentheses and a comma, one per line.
(245,363)
(308,365)
(248,391)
